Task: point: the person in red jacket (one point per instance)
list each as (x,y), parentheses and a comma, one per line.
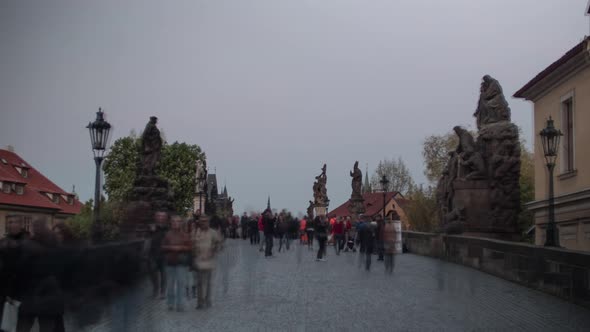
(338,229)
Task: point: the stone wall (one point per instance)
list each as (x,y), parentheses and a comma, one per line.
(561,272)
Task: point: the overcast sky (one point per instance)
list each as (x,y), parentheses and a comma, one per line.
(271,89)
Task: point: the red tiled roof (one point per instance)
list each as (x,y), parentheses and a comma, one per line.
(36,185)
(373,204)
(552,67)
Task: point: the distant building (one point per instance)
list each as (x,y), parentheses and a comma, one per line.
(219,204)
(374,206)
(26,193)
(562,91)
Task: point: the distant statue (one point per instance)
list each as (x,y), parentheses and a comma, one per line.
(151,147)
(492,106)
(320,193)
(200,176)
(357,180)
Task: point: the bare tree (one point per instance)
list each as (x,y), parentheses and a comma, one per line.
(397,173)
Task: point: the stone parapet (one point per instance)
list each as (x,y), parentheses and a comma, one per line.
(561,272)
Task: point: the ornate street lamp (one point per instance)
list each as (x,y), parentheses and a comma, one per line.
(384,183)
(550,138)
(99,136)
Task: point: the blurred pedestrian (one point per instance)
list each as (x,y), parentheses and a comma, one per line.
(389,237)
(206,243)
(338,230)
(156,257)
(321,230)
(269,231)
(176,247)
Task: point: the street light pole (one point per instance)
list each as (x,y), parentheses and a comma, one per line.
(99,135)
(384,182)
(550,138)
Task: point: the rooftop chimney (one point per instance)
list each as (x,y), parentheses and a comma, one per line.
(10,148)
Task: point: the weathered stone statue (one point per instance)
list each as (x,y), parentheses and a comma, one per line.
(150,192)
(357,180)
(320,193)
(356,203)
(151,147)
(479,191)
(470,160)
(492,106)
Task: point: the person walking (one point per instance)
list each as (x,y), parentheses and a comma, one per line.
(321,230)
(206,243)
(368,239)
(253,230)
(244,226)
(338,230)
(156,257)
(261,232)
(389,236)
(176,247)
(310,230)
(269,231)
(283,232)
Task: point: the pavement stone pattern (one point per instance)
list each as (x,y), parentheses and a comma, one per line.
(293,292)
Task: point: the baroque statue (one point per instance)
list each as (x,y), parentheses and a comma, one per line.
(479,190)
(151,147)
(320,193)
(357,180)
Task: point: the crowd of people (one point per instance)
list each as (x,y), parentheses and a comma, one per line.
(368,235)
(180,255)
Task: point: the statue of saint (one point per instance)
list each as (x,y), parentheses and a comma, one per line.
(492,106)
(357,180)
(320,193)
(151,147)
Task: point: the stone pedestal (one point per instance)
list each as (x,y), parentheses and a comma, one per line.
(149,195)
(320,211)
(475,197)
(356,206)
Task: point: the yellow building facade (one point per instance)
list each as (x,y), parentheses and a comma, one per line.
(562,92)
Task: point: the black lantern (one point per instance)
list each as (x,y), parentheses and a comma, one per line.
(550,139)
(99,136)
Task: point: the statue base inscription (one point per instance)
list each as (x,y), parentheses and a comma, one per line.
(321,211)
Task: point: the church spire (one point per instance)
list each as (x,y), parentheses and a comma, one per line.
(367,185)
(224,191)
(268,203)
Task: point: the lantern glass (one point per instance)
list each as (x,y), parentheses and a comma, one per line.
(99,134)
(550,140)
(384,183)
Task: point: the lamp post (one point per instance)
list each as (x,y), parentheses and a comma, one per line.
(99,135)
(550,138)
(384,182)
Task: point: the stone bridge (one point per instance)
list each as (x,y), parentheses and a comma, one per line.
(293,292)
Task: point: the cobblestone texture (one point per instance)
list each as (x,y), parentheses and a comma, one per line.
(293,292)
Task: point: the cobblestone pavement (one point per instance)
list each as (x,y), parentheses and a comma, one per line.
(293,292)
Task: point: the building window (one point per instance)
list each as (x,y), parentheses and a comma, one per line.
(567,124)
(20,189)
(25,173)
(6,187)
(56,198)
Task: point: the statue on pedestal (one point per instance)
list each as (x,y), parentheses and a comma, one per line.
(357,180)
(151,147)
(320,193)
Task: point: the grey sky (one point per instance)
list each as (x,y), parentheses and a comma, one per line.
(269,89)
